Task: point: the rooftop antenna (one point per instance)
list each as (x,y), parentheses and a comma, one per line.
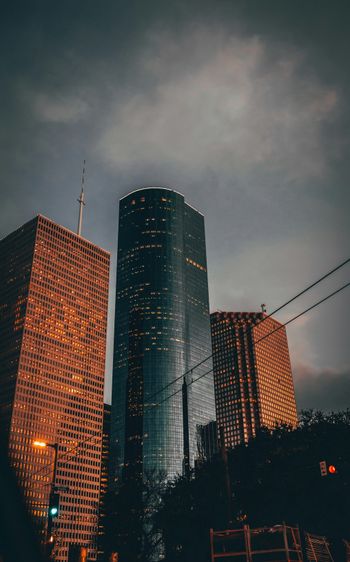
(81,202)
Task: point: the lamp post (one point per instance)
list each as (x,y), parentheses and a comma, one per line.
(54,446)
(54,498)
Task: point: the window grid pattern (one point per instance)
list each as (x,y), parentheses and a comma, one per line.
(162,329)
(59,380)
(253,379)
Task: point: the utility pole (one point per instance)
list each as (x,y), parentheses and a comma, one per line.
(53,498)
(186,436)
(223,452)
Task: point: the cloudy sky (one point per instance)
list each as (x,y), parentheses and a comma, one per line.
(242,106)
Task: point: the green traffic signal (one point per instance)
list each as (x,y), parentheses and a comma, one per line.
(54,504)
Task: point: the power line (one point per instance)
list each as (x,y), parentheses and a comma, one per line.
(267,335)
(304,311)
(180,377)
(180,389)
(342,264)
(59,457)
(309,287)
(203,361)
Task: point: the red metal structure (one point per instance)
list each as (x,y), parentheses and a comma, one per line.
(280,543)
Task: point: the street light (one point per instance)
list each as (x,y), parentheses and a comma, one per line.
(54,446)
(54,496)
(39,444)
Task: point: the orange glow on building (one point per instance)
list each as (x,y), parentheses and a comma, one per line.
(39,444)
(252,374)
(53,320)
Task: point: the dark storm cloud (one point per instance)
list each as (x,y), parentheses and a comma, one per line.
(242,106)
(322,390)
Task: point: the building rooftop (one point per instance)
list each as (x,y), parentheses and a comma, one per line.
(164,189)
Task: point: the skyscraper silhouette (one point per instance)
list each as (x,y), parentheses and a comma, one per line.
(162,330)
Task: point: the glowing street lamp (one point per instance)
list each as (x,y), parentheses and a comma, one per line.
(54,496)
(39,444)
(54,446)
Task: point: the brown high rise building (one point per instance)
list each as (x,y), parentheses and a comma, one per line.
(252,374)
(53,319)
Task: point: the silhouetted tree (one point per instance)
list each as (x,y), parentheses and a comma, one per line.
(130,520)
(274,478)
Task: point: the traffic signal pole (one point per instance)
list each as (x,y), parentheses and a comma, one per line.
(53,446)
(54,495)
(186,435)
(223,452)
(53,503)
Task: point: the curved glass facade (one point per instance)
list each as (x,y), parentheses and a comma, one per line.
(162,330)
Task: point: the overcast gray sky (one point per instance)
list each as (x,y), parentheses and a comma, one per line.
(241,106)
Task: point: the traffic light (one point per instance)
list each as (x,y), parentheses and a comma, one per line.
(323,468)
(327,469)
(54,504)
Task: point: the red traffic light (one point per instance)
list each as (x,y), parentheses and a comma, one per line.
(332,469)
(323,468)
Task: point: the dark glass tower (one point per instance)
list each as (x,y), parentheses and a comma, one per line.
(162,330)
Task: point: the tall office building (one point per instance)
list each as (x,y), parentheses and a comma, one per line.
(252,374)
(162,330)
(53,316)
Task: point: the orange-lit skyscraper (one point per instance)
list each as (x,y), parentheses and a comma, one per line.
(252,374)
(53,319)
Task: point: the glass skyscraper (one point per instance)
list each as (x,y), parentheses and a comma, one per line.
(162,330)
